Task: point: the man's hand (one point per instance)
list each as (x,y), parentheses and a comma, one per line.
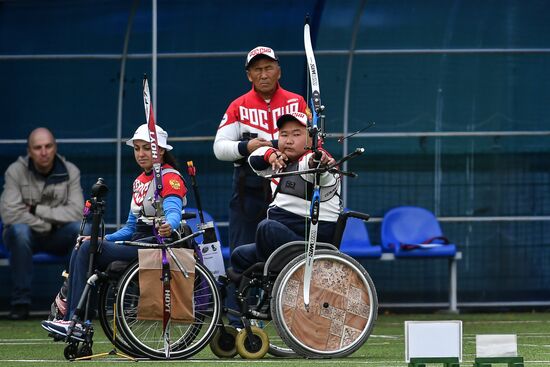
(165,230)
(31,208)
(325,160)
(277,160)
(255,143)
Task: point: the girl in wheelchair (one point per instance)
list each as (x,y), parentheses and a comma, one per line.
(138,225)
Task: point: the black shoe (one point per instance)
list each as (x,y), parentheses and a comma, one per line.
(19,312)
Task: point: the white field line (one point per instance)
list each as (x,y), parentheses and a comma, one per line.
(481,322)
(386,336)
(38,342)
(346,362)
(467,337)
(19,343)
(520,335)
(534,345)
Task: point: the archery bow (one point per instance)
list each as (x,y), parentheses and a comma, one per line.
(157,172)
(316,131)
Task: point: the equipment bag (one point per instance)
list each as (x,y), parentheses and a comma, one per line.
(151,298)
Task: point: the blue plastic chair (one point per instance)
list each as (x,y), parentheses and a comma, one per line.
(194,223)
(47,258)
(356,242)
(407,229)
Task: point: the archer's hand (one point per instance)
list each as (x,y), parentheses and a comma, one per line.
(278,160)
(325,160)
(81,239)
(165,230)
(255,143)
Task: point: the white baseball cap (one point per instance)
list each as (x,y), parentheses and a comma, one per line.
(294,116)
(259,51)
(142,133)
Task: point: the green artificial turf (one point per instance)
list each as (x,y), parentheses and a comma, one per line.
(24,343)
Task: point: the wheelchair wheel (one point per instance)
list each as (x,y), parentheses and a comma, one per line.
(223,342)
(107,299)
(277,347)
(84,350)
(280,350)
(254,346)
(186,339)
(71,351)
(342,311)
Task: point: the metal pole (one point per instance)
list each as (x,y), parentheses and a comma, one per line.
(356,24)
(119,112)
(453,288)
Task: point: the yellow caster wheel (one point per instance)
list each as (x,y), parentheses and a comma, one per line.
(223,343)
(254,347)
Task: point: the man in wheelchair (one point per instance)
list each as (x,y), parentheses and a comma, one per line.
(343,299)
(287,215)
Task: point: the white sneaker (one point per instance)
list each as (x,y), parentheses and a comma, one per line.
(61,327)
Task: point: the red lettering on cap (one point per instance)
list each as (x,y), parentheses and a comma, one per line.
(259,50)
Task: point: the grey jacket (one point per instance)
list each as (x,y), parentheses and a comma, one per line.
(57,199)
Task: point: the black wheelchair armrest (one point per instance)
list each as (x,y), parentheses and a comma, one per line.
(358,215)
(341,225)
(186,216)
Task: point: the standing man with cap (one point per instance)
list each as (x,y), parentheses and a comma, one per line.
(248,124)
(41,207)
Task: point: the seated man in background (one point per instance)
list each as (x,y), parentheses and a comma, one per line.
(288,214)
(41,207)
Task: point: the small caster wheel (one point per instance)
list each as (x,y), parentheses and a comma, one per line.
(71,351)
(223,342)
(85,350)
(254,346)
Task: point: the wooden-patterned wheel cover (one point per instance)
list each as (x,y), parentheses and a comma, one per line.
(339,306)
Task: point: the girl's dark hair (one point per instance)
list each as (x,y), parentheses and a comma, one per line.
(171,160)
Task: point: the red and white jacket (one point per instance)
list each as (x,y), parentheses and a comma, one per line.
(251,114)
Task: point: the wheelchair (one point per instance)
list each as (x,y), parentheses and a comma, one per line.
(145,337)
(342,311)
(117,292)
(118,298)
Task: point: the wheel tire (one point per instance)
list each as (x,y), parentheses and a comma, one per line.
(85,350)
(335,276)
(281,352)
(223,343)
(107,299)
(71,351)
(187,339)
(246,349)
